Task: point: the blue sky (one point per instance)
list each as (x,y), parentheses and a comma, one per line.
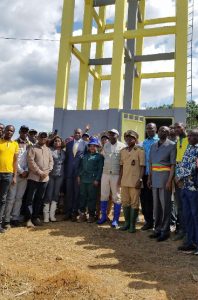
(28,69)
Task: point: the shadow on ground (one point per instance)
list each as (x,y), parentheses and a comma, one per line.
(145,268)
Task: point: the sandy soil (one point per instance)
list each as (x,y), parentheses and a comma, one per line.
(83,261)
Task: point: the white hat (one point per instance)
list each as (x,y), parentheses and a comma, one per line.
(114,131)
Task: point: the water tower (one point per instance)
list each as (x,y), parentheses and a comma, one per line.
(127,32)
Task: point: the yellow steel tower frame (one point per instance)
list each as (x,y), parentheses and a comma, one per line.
(119,33)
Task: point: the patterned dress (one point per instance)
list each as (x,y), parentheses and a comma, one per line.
(187,170)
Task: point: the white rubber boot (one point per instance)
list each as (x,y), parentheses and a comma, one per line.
(46,213)
(29,224)
(53,211)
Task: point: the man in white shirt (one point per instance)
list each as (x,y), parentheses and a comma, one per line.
(110,177)
(16,192)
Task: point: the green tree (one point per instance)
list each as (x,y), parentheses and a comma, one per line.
(191,110)
(192,114)
(164,106)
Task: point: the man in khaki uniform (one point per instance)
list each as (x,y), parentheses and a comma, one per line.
(132,170)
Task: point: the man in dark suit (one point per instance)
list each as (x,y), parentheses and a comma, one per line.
(74,152)
(162,168)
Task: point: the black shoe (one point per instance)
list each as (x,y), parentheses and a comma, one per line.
(162,237)
(178,236)
(187,248)
(154,235)
(124,228)
(15,223)
(146,227)
(91,219)
(2,230)
(6,225)
(196,252)
(37,222)
(82,218)
(67,217)
(74,218)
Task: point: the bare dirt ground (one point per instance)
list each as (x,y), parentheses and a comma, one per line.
(83,261)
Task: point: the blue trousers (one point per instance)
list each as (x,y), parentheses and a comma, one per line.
(180,226)
(190,214)
(53,189)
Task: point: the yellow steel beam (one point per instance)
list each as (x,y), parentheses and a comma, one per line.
(181,53)
(149,32)
(99,53)
(105,77)
(83,60)
(160,21)
(87,38)
(79,55)
(62,84)
(116,86)
(148,22)
(98,20)
(157,75)
(129,34)
(109,26)
(94,73)
(136,99)
(144,75)
(85,50)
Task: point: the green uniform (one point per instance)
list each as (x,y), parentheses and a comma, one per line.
(90,170)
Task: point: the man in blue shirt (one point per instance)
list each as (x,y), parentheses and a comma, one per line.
(146,193)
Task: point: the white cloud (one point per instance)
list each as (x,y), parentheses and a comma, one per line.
(28,68)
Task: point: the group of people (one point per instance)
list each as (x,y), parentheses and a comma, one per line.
(160,173)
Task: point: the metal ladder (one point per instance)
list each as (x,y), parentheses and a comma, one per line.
(190,51)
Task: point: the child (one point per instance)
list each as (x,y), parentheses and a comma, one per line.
(131,173)
(90,172)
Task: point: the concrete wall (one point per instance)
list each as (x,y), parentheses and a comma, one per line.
(67,120)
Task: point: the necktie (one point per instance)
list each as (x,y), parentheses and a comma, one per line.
(75,148)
